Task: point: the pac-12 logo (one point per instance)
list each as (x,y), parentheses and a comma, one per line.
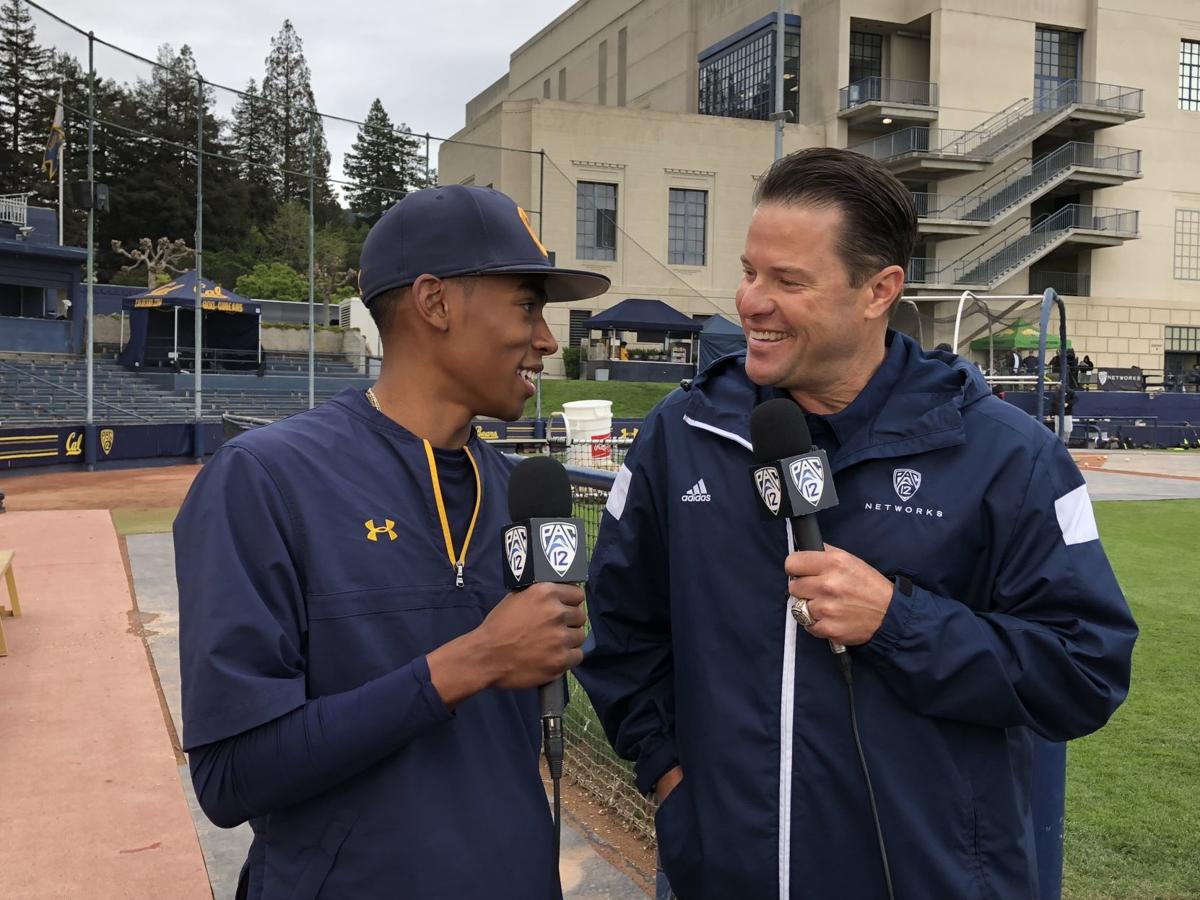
(906,483)
(560,541)
(766,480)
(809,477)
(516,549)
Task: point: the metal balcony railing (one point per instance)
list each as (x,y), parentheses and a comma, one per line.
(14,209)
(873,89)
(1009,126)
(924,269)
(1021,181)
(1110,97)
(916,139)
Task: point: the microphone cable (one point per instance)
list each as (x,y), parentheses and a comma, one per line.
(552,748)
(848,677)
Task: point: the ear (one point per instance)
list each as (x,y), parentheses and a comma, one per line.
(883,290)
(428,298)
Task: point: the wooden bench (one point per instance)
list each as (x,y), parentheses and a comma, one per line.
(6,559)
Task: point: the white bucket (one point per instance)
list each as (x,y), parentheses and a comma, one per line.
(589,432)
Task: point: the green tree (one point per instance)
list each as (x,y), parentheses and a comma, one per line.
(25,89)
(151,170)
(288,102)
(287,235)
(250,140)
(384,162)
(273,281)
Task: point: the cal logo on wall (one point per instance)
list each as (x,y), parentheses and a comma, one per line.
(74,444)
(106,440)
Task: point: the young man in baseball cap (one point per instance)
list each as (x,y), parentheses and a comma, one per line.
(356,682)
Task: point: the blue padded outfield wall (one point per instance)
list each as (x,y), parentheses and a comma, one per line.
(64,445)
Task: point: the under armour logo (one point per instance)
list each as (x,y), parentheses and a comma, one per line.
(374,531)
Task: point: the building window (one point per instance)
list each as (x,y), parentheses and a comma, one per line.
(578,331)
(546,89)
(1055,59)
(1189,75)
(686,227)
(1182,339)
(737,79)
(595,220)
(622,56)
(866,55)
(1187,244)
(602,75)
(562,84)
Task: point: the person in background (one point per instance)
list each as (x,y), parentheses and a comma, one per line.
(623,353)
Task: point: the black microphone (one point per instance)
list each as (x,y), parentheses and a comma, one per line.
(544,543)
(791,477)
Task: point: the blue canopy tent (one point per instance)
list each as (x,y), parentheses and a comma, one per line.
(231,325)
(719,337)
(643,315)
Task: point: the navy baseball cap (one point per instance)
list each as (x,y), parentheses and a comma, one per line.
(462,230)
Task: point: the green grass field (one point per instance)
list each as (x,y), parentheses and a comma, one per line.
(631,399)
(1133,788)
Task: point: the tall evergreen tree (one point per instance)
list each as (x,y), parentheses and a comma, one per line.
(383,163)
(288,100)
(25,85)
(249,135)
(250,139)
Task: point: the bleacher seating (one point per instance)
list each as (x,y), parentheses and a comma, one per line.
(40,389)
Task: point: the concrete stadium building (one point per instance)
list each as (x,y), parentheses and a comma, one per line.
(1048,143)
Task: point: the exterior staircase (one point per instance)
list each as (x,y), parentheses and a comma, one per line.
(1020,244)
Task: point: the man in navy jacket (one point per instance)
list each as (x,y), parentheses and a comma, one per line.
(964,572)
(356,683)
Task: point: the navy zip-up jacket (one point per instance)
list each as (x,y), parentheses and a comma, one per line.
(1013,625)
(313,580)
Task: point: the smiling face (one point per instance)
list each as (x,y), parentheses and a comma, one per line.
(803,320)
(495,343)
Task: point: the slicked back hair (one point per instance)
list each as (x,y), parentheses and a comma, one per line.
(879,217)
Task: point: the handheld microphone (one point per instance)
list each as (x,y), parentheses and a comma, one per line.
(545,543)
(791,477)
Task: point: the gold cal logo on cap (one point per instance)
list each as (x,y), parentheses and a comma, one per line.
(525,221)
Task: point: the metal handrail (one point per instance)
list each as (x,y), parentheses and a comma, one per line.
(1025,177)
(63,387)
(987,263)
(1072,217)
(887,90)
(1072,92)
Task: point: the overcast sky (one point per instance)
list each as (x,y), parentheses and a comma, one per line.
(423,59)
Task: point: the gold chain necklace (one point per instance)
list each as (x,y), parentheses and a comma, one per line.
(457,560)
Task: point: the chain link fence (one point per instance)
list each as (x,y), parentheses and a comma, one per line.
(590,764)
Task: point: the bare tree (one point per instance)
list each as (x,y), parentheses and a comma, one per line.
(157,259)
(329,278)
